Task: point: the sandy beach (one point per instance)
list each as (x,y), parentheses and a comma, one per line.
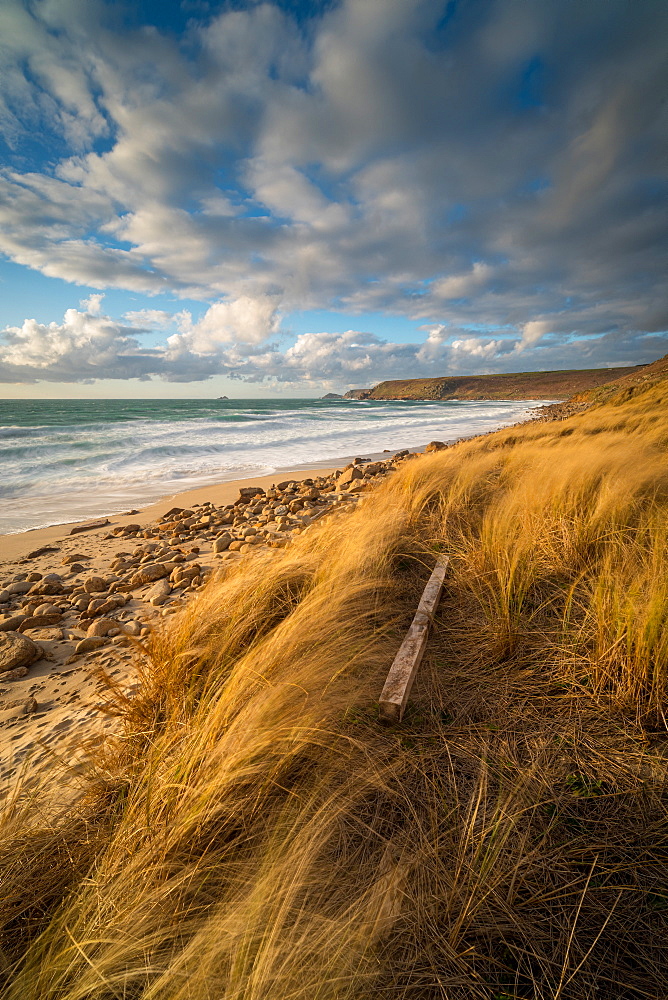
(85,630)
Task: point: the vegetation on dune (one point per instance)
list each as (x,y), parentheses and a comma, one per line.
(255,833)
(515,385)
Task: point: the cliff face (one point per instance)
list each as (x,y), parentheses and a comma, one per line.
(519,385)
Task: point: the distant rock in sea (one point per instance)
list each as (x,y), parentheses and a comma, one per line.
(223,397)
(332,395)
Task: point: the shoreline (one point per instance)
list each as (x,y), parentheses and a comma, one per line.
(18,544)
(117,507)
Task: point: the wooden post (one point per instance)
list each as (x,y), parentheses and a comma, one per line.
(394,695)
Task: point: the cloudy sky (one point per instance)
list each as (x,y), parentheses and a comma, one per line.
(288,197)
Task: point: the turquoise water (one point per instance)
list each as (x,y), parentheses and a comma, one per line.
(64,460)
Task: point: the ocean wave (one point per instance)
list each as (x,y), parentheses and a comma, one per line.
(89,461)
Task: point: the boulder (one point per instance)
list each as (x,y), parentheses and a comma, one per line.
(13,623)
(89,526)
(18,587)
(48,587)
(14,675)
(222,543)
(46,609)
(435,446)
(74,558)
(89,644)
(17,651)
(349,476)
(159,593)
(38,621)
(95,585)
(101,628)
(151,572)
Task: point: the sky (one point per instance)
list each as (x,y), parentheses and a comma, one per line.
(286,198)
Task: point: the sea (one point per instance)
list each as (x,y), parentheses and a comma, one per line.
(69,460)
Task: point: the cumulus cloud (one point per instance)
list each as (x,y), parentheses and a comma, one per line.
(477,166)
(232,339)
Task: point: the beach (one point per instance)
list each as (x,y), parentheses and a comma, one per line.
(84,605)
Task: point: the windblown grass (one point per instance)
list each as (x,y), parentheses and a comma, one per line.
(255,834)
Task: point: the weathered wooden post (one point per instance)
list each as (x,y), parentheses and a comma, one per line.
(397,688)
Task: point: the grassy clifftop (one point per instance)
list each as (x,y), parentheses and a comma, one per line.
(520,385)
(256,833)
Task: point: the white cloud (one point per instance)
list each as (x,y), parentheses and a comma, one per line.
(373,159)
(232,339)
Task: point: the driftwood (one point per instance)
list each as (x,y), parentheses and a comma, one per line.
(394,695)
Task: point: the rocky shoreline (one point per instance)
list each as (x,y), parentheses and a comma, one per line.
(75,611)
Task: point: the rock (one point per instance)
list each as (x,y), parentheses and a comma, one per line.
(95,585)
(435,446)
(284,485)
(4,596)
(17,651)
(89,644)
(151,572)
(172,512)
(46,634)
(19,710)
(19,587)
(356,488)
(42,551)
(34,577)
(222,543)
(74,558)
(349,476)
(251,491)
(89,526)
(401,454)
(14,675)
(38,621)
(131,529)
(131,628)
(159,593)
(12,624)
(46,609)
(235,545)
(101,627)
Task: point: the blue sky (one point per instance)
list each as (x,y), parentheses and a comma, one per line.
(251,198)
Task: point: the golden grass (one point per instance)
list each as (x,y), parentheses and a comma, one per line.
(255,834)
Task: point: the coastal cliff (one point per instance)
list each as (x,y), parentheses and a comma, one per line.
(517,385)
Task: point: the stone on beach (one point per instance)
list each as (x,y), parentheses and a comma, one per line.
(95,585)
(17,651)
(101,627)
(159,593)
(88,644)
(90,526)
(13,623)
(222,543)
(149,573)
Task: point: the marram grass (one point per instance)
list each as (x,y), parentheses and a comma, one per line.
(255,834)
